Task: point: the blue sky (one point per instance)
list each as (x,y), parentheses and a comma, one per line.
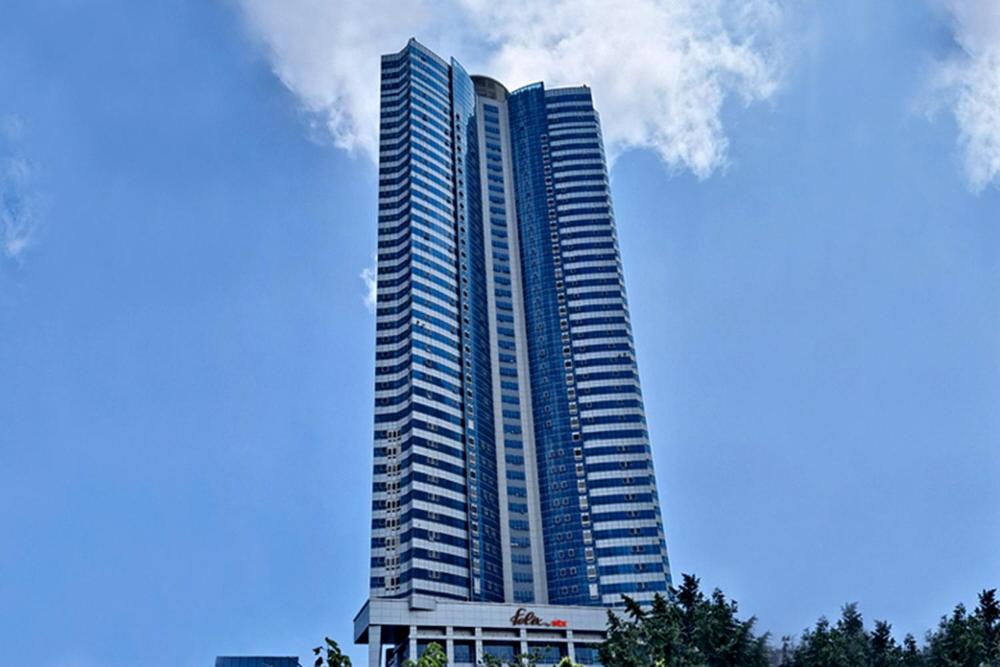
(186,355)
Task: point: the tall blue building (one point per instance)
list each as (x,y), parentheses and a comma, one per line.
(512,460)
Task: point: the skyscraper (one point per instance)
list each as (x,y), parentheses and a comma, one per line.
(512,461)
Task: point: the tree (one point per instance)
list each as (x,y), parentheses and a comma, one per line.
(845,644)
(817,647)
(954,643)
(636,636)
(689,630)
(911,655)
(433,656)
(988,619)
(960,640)
(885,652)
(967,640)
(854,640)
(334,657)
(783,657)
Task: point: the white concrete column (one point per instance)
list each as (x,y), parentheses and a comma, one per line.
(375,646)
(479,645)
(449,644)
(570,649)
(413,643)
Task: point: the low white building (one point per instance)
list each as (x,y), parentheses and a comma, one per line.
(401,629)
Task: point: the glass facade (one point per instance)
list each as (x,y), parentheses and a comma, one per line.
(512,460)
(255,661)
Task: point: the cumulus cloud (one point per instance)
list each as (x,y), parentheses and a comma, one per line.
(19,208)
(370,277)
(326,52)
(661,70)
(969,84)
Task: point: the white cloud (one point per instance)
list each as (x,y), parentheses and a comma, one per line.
(370,277)
(327,53)
(970,86)
(19,207)
(661,70)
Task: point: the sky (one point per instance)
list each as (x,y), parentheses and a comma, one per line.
(808,202)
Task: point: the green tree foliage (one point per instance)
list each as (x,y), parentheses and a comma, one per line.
(433,656)
(844,644)
(885,652)
(333,658)
(967,640)
(960,640)
(912,657)
(689,630)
